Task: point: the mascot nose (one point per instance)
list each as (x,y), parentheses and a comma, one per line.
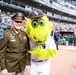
(35,37)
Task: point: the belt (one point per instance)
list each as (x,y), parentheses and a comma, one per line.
(39,60)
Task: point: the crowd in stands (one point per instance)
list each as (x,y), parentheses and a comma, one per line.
(65,4)
(62,26)
(5,23)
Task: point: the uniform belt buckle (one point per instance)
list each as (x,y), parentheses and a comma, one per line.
(39,60)
(42,60)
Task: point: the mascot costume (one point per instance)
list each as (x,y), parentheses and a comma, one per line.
(42,45)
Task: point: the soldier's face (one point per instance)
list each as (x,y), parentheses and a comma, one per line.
(18,24)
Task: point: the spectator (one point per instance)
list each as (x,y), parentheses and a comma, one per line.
(0,19)
(56,37)
(1,33)
(74,36)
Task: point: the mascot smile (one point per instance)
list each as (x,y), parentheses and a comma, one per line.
(38,29)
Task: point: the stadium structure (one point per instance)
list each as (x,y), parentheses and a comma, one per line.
(55,10)
(61,12)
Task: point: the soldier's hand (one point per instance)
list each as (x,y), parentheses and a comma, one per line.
(4,72)
(27,68)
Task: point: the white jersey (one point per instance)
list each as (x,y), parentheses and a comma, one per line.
(49,43)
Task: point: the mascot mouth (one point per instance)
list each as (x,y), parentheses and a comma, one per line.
(40,42)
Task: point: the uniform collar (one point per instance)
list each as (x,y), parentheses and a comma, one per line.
(16,31)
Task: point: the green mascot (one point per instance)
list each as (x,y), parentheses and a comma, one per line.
(42,45)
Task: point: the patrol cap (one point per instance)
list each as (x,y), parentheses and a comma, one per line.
(18,17)
(35,13)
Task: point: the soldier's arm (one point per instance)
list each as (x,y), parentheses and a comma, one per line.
(28,56)
(3,47)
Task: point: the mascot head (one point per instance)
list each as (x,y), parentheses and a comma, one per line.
(38,27)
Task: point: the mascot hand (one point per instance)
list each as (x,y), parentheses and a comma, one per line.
(43,54)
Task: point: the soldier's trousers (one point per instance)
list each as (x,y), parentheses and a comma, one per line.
(14,73)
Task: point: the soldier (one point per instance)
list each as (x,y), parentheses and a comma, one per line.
(15,59)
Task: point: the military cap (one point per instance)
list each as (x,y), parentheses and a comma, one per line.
(35,13)
(18,17)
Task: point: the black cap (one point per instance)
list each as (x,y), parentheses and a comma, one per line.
(18,17)
(36,13)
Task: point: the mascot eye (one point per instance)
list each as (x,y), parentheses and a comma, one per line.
(34,24)
(42,22)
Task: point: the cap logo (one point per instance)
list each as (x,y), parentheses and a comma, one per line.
(36,12)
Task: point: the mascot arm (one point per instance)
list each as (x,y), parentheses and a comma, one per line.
(43,54)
